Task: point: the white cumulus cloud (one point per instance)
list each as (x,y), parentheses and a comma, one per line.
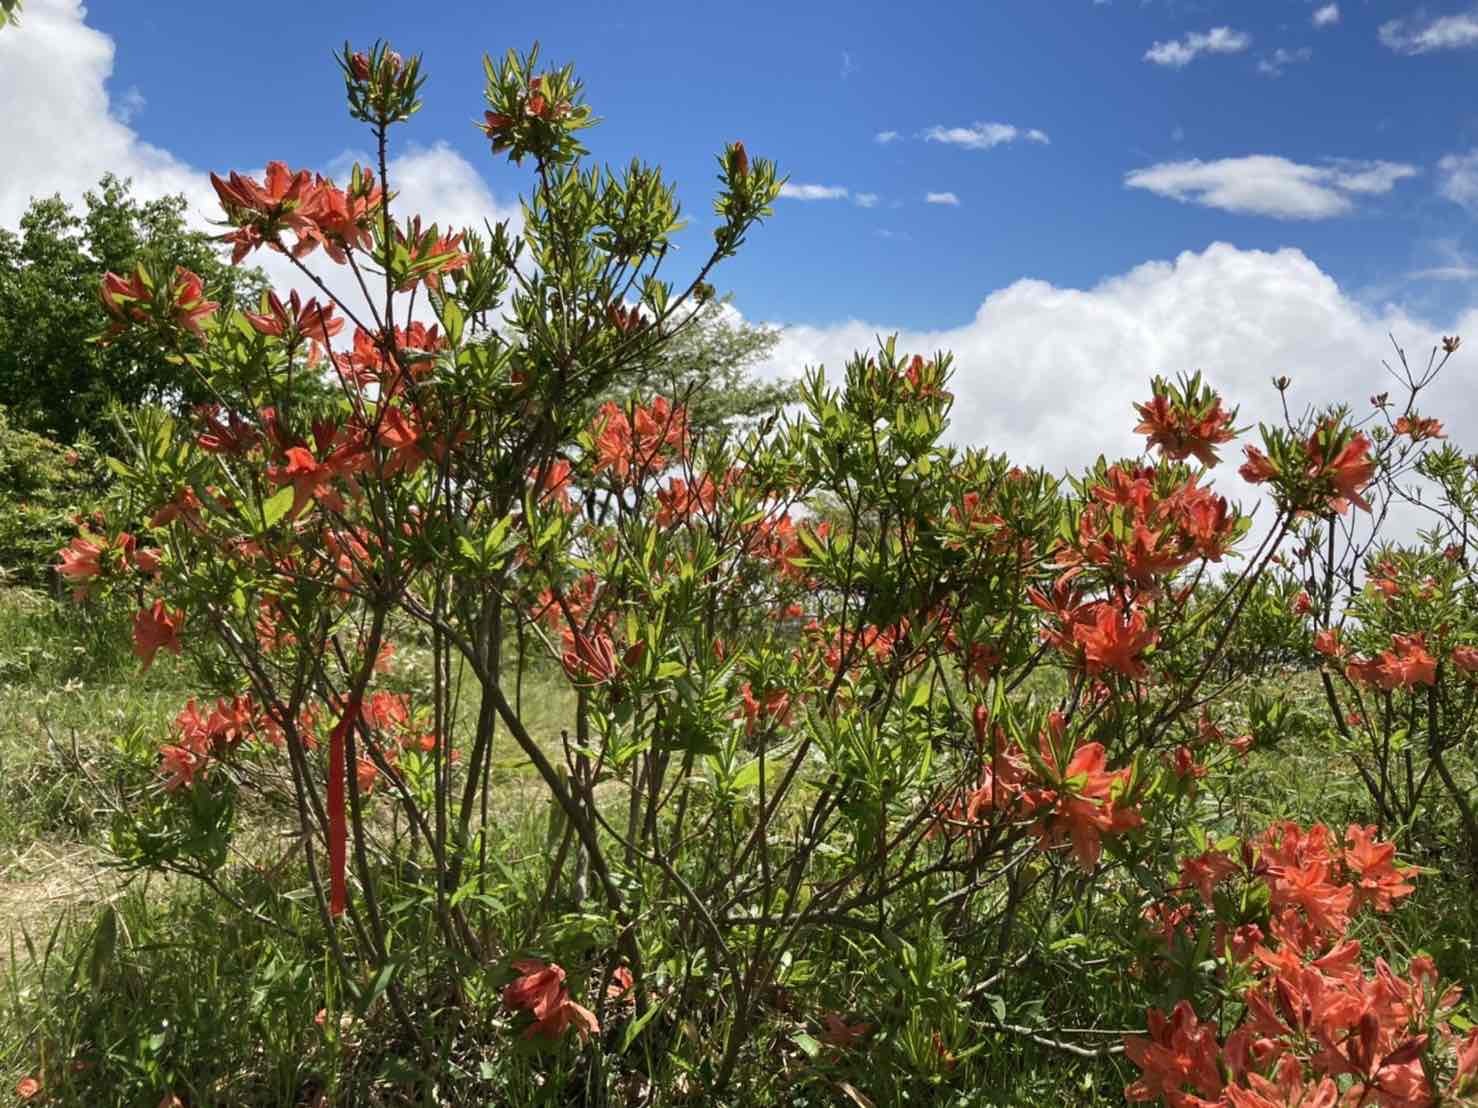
(1326,16)
(1048,374)
(813,192)
(983,136)
(866,199)
(60,132)
(1280,59)
(1422,36)
(885,137)
(948,199)
(1458,179)
(1179,53)
(1263,184)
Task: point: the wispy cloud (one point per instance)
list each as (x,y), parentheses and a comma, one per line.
(885,137)
(866,199)
(129,105)
(1179,53)
(848,66)
(1422,36)
(813,192)
(948,199)
(1272,65)
(1448,262)
(1326,16)
(1262,184)
(984,136)
(1458,179)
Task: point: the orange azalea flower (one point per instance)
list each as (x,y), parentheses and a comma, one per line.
(680,500)
(311,479)
(556,484)
(1258,468)
(1082,803)
(1349,471)
(612,440)
(1311,888)
(1205,871)
(341,219)
(1326,642)
(775,707)
(1289,1091)
(591,658)
(312,320)
(125,300)
(621,983)
(81,562)
(1406,665)
(366,773)
(154,629)
(1113,642)
(1465,1080)
(1181,433)
(537,989)
(1207,520)
(1419,428)
(423,245)
(235,436)
(281,187)
(1465,658)
(1178,1051)
(189,305)
(399,433)
(28,1088)
(1378,881)
(276,201)
(540,991)
(185,506)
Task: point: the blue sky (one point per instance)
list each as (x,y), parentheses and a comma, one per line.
(812,84)
(1248,187)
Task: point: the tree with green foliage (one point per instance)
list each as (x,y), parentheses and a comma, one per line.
(710,365)
(54,378)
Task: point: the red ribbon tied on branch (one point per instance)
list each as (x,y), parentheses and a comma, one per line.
(338,832)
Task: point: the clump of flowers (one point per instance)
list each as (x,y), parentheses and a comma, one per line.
(1304,1021)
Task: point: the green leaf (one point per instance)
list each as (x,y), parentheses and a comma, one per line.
(634,1028)
(810,1046)
(748,776)
(997,1006)
(276,506)
(378,986)
(104,942)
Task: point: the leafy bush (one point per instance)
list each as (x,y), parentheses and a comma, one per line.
(44,488)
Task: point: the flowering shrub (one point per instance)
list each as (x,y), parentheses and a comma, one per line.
(827,675)
(1393,627)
